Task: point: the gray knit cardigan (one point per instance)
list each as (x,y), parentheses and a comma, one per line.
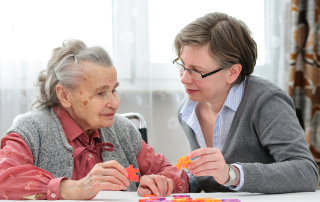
(265,138)
(43,133)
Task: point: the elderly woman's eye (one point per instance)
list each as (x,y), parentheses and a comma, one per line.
(101,93)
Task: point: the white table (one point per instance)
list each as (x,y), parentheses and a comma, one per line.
(243,196)
(119,196)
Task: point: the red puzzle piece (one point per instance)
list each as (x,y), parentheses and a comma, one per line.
(132,173)
(183,162)
(149,195)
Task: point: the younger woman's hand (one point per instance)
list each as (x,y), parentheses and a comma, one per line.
(210,163)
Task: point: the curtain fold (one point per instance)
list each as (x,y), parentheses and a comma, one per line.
(304,73)
(277,43)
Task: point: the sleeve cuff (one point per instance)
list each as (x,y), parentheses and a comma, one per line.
(53,192)
(193,186)
(240,185)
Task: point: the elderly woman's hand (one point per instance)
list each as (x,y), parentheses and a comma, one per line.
(109,176)
(155,184)
(210,163)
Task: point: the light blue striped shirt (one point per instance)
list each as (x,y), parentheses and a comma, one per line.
(221,129)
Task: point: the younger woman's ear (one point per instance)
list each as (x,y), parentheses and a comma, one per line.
(234,72)
(62,95)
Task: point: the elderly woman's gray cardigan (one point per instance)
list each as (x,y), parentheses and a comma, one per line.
(265,138)
(43,133)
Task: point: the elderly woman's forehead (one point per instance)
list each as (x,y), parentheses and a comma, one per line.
(95,69)
(97,76)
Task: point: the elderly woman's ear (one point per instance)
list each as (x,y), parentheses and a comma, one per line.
(63,96)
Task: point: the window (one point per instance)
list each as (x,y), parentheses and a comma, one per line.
(138,34)
(31,29)
(167,18)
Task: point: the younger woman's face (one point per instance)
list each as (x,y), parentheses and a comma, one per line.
(213,88)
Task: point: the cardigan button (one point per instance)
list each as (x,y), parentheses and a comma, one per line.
(53,195)
(90,155)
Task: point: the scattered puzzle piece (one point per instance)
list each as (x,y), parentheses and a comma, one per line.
(184,198)
(132,173)
(179,196)
(198,200)
(183,162)
(179,199)
(153,199)
(145,200)
(158,198)
(209,199)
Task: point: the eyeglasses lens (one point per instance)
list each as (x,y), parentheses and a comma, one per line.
(193,74)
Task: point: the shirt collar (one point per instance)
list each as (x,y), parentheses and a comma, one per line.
(188,109)
(70,127)
(234,96)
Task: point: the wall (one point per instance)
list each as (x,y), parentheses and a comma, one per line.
(160,112)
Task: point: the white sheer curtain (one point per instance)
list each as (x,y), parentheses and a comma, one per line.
(138,34)
(29,31)
(278,36)
(16,88)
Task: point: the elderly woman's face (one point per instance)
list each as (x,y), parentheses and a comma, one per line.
(95,102)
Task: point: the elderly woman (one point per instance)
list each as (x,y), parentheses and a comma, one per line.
(243,130)
(73,145)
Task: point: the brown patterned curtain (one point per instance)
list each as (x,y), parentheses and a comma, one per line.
(304,73)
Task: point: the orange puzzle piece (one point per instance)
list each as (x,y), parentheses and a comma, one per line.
(183,162)
(182,199)
(132,173)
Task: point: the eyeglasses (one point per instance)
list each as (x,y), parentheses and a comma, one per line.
(194,74)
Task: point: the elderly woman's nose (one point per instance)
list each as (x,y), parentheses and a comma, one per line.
(113,102)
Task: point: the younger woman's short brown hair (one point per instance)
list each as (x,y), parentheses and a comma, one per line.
(230,41)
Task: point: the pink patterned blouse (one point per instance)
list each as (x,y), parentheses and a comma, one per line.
(19,179)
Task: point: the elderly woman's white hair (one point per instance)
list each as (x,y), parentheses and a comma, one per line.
(63,68)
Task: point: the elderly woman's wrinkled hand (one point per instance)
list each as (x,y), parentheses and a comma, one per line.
(107,176)
(210,163)
(155,184)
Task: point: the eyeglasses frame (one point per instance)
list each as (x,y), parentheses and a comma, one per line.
(202,75)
